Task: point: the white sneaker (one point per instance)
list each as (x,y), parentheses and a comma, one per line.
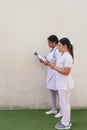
(51,112)
(60,126)
(58,115)
(70,124)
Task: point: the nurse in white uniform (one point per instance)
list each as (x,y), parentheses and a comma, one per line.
(64,81)
(51,80)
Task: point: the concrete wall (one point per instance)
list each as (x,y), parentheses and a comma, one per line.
(24,28)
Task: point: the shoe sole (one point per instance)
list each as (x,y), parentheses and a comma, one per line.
(50,113)
(57,116)
(63,128)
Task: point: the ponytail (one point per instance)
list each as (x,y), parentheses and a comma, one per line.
(71,50)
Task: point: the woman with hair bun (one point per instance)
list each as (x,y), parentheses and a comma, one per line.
(50,81)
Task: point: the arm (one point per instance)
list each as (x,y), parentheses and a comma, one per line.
(64,71)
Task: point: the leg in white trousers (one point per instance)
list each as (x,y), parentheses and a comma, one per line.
(53,96)
(64,99)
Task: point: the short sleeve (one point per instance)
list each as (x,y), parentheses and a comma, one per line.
(68,61)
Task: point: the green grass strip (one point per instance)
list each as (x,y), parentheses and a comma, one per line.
(37,120)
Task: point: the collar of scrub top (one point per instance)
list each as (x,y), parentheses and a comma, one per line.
(51,49)
(54,48)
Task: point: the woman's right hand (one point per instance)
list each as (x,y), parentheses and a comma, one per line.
(41,61)
(46,62)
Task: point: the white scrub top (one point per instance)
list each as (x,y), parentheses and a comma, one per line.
(64,81)
(51,79)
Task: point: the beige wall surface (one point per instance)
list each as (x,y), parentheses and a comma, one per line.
(24,28)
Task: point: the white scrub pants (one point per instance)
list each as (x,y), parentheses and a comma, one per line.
(64,102)
(54,93)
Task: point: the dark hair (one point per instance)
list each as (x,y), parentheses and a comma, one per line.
(53,38)
(65,41)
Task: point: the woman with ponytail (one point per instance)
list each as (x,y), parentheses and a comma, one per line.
(64,81)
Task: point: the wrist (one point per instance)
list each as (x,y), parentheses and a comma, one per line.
(55,68)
